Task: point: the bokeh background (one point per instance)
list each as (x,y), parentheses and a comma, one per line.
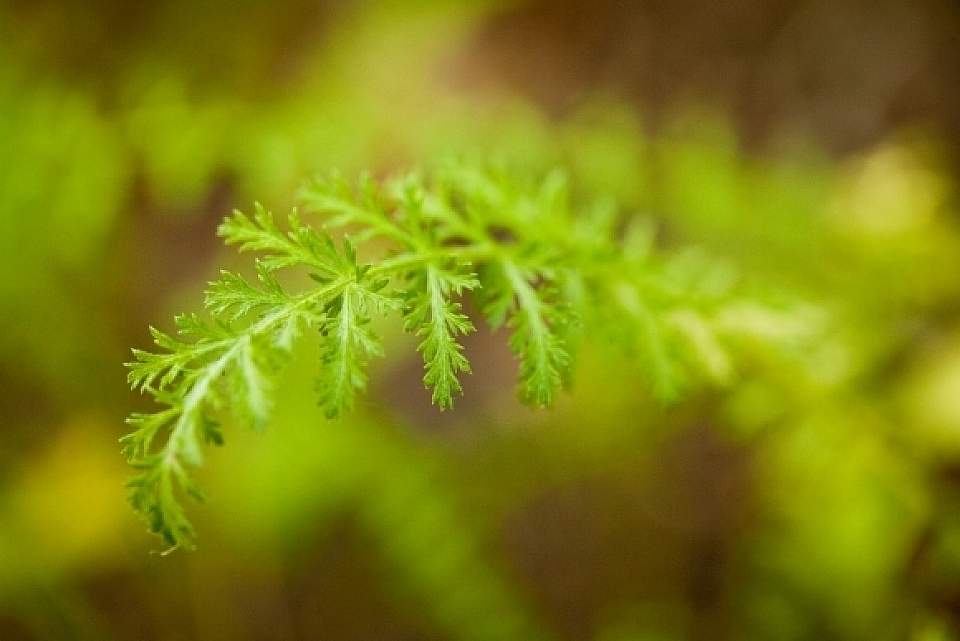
(812,492)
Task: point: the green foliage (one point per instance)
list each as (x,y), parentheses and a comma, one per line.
(550,276)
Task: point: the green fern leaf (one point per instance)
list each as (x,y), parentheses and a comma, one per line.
(431,314)
(554,278)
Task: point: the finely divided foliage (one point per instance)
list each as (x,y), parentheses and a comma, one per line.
(549,274)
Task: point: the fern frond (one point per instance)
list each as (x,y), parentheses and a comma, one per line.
(544,360)
(194,379)
(363,209)
(348,343)
(233,297)
(300,245)
(651,345)
(553,277)
(439,320)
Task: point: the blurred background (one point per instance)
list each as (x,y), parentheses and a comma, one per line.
(812,493)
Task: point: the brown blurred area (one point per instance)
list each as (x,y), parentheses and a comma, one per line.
(849,71)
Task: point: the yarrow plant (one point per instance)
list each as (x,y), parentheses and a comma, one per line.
(553,268)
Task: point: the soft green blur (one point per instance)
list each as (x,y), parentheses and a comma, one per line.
(811,494)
